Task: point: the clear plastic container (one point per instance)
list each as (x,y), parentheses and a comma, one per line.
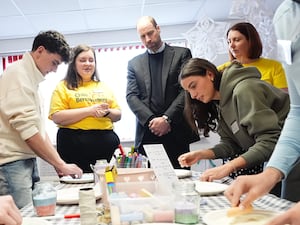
(44,199)
(187,203)
(99,167)
(141,202)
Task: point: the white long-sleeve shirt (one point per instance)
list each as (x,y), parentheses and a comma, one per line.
(20,109)
(287,27)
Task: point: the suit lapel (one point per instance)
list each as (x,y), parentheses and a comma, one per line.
(168,58)
(146,72)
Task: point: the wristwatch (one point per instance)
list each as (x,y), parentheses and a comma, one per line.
(167,119)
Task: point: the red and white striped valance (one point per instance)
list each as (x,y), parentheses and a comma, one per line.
(6,60)
(124,48)
(10,59)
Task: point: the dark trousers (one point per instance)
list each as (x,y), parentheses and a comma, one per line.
(174,146)
(84,147)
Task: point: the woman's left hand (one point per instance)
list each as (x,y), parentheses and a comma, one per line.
(216,173)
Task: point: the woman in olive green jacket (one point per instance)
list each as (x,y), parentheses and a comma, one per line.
(249,114)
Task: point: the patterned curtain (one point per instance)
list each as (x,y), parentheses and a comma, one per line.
(207,38)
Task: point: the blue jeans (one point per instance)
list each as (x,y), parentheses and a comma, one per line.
(17,179)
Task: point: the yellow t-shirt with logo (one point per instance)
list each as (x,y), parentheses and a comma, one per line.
(271,71)
(88,94)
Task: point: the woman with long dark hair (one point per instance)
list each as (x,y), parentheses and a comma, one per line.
(248,112)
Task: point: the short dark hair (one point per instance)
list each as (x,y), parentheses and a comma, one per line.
(54,42)
(251,34)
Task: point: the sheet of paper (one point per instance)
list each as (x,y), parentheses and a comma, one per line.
(161,165)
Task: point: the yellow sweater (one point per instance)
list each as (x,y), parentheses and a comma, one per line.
(270,69)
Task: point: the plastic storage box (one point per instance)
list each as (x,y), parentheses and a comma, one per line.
(126,175)
(141,202)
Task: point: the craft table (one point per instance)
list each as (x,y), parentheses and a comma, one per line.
(208,203)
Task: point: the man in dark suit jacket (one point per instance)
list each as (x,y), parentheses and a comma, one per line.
(155,95)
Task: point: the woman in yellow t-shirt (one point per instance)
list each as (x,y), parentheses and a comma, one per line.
(245,46)
(84,108)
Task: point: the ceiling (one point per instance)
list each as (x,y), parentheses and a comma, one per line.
(25,18)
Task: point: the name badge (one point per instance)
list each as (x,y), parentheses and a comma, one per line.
(235,127)
(284,51)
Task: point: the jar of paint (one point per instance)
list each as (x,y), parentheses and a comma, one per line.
(187,203)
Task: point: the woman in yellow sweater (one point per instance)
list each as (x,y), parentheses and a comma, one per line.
(84,108)
(245,46)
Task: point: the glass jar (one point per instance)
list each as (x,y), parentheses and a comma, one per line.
(100,164)
(99,170)
(187,203)
(44,199)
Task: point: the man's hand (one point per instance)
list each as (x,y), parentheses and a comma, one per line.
(69,169)
(159,126)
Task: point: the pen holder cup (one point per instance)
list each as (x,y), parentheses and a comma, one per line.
(141,202)
(134,161)
(125,175)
